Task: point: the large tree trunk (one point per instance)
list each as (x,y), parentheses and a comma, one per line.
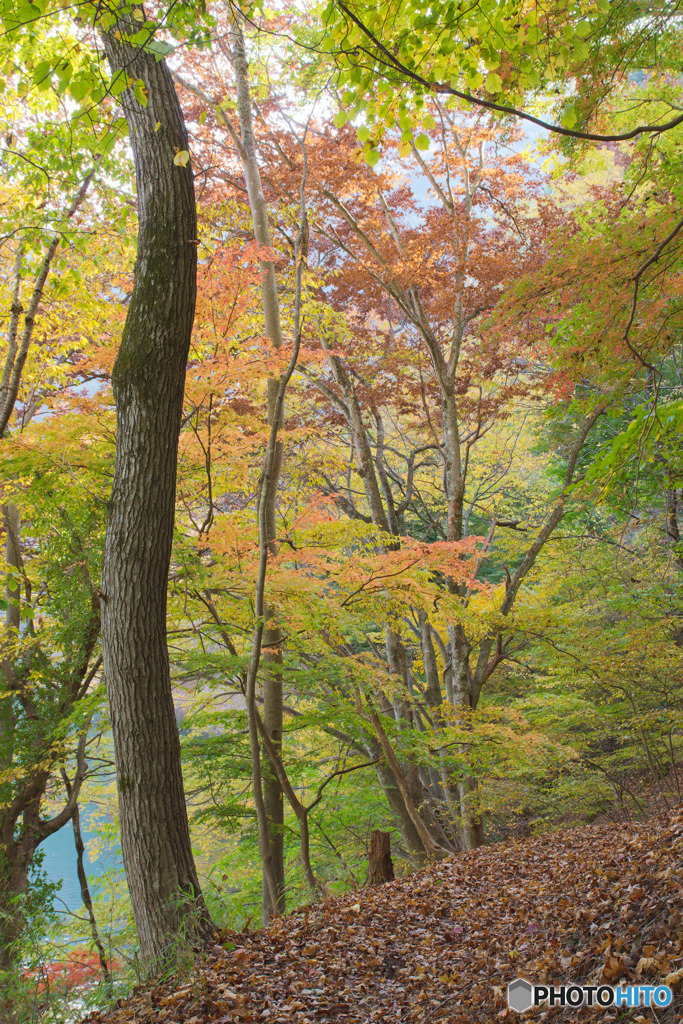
(149,379)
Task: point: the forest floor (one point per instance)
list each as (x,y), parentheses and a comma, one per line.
(597,904)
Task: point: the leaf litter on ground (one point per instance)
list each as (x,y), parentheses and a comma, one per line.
(596,904)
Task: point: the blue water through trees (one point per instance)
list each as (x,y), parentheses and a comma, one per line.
(60,861)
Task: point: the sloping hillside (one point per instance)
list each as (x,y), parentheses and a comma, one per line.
(596,904)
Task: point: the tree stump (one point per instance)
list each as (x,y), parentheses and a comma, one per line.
(381,867)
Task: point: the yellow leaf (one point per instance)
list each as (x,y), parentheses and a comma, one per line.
(493,83)
(182,158)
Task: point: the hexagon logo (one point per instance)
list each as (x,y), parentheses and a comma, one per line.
(520,995)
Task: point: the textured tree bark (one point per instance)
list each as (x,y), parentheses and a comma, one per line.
(381,867)
(148,380)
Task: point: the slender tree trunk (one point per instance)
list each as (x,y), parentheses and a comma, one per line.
(406,825)
(672,503)
(434,701)
(273,797)
(471,827)
(432,847)
(455,483)
(370,471)
(87,899)
(85,888)
(18,345)
(148,380)
(271,677)
(17,851)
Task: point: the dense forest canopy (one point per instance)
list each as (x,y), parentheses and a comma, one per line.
(341,481)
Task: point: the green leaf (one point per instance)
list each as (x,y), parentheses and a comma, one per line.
(372,156)
(340,120)
(42,76)
(107,143)
(421,141)
(363,133)
(119,83)
(493,83)
(159,48)
(140,91)
(79,89)
(569,117)
(474,80)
